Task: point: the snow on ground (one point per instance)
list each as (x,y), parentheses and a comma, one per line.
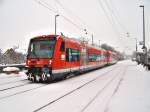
(4,78)
(124,89)
(134,93)
(78,101)
(36,98)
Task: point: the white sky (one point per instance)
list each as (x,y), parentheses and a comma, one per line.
(21,19)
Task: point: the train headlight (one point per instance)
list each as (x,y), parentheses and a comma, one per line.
(50,62)
(28,62)
(62,57)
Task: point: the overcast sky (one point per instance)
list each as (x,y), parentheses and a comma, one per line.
(107,20)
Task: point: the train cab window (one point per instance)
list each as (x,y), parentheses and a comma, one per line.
(62,47)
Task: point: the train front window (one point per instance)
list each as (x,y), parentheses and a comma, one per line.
(41,48)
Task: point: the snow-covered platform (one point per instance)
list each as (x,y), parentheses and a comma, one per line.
(123,87)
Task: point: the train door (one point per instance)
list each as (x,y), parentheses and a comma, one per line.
(83,63)
(62,56)
(68,59)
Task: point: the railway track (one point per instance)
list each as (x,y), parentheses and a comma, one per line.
(12,79)
(22,91)
(7,77)
(29,89)
(72,91)
(15,86)
(103,89)
(118,77)
(10,82)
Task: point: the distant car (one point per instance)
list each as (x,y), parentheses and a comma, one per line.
(133,59)
(9,70)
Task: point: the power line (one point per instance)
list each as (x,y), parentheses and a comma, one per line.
(115,15)
(108,18)
(46,5)
(76,25)
(69,12)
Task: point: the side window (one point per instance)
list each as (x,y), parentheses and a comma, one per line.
(72,55)
(94,57)
(75,55)
(62,47)
(98,57)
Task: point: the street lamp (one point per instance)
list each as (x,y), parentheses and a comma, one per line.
(56,23)
(144,47)
(142,6)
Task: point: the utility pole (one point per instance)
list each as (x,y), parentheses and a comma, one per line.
(56,23)
(92,40)
(136,47)
(144,46)
(143,27)
(136,44)
(99,44)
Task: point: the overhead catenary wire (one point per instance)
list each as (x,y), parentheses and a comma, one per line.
(69,12)
(82,23)
(111,21)
(114,14)
(108,18)
(46,5)
(79,27)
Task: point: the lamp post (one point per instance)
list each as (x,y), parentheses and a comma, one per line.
(56,23)
(99,43)
(144,47)
(136,44)
(143,27)
(92,40)
(136,47)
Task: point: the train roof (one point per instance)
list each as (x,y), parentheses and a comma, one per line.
(44,36)
(73,40)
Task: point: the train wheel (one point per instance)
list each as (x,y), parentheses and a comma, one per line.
(64,77)
(37,78)
(30,76)
(33,79)
(148,67)
(44,77)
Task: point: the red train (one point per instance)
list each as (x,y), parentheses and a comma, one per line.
(53,57)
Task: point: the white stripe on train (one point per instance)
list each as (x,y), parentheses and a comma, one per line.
(86,67)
